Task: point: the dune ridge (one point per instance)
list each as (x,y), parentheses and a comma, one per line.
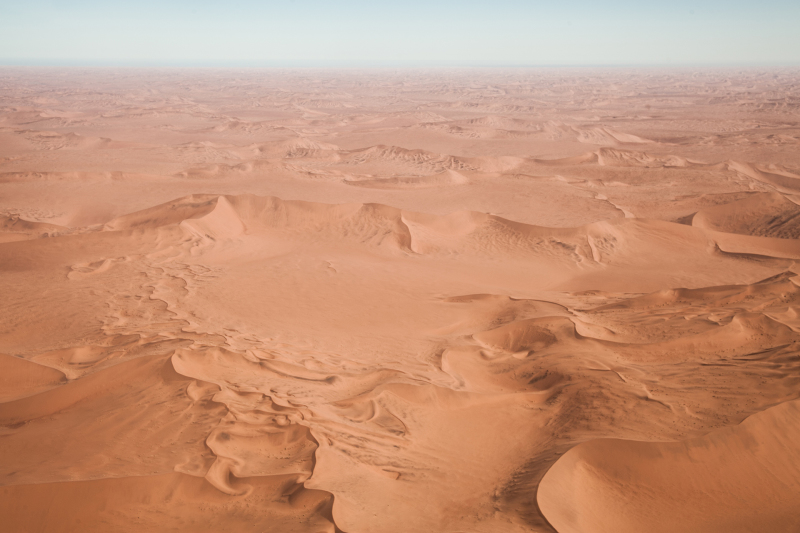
(627,485)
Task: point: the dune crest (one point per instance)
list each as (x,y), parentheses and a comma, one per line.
(743,478)
(764,215)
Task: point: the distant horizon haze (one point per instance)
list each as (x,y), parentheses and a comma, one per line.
(357,33)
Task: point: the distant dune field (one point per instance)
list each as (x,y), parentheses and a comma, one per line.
(399,301)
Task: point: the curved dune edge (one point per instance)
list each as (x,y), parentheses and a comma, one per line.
(164,502)
(448,177)
(20,378)
(762,214)
(226,216)
(737,479)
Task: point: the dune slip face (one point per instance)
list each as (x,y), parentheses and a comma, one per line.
(520,300)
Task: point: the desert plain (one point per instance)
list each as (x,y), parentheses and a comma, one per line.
(379,301)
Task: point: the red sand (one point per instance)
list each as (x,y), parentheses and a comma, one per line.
(394,301)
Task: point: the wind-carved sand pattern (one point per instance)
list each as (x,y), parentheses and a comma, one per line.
(488,301)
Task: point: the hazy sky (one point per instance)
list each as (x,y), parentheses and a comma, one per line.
(410,32)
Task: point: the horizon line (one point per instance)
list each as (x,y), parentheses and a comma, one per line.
(345,65)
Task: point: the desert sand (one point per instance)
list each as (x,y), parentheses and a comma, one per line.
(399,301)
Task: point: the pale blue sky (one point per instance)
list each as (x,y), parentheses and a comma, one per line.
(404,33)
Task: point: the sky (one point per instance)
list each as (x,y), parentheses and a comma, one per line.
(318,33)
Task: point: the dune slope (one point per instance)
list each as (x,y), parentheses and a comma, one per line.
(743,478)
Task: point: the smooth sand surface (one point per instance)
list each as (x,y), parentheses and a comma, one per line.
(394,301)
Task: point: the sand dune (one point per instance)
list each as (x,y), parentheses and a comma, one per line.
(412,158)
(499,127)
(448,177)
(489,301)
(615,157)
(606,485)
(621,242)
(21,378)
(16,228)
(781,181)
(589,135)
(162,502)
(51,140)
(765,215)
(300,147)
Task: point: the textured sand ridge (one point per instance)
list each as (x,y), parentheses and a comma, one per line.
(393,301)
